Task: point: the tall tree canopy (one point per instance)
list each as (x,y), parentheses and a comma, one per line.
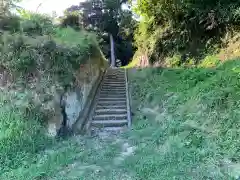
(107,17)
(170,26)
(6,5)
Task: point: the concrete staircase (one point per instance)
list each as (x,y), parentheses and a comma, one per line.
(111,110)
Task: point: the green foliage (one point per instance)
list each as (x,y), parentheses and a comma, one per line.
(174,61)
(20,136)
(105,18)
(58,55)
(190,28)
(186,123)
(28,23)
(35,24)
(11,24)
(209,61)
(37,60)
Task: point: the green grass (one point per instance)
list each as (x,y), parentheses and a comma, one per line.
(185,127)
(20,139)
(39,59)
(186,123)
(75,158)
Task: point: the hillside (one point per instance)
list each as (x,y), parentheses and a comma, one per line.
(185,33)
(185,111)
(187,122)
(39,63)
(185,126)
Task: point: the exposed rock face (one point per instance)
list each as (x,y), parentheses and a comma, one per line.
(76,98)
(74,105)
(62,107)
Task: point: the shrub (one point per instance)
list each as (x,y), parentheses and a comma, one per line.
(20,136)
(174,61)
(210,61)
(40,60)
(191,28)
(193,110)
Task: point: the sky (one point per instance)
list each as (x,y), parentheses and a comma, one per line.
(48,6)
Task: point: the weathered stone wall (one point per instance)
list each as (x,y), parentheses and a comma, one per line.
(71,102)
(76,98)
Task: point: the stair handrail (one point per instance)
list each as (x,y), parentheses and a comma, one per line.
(129,118)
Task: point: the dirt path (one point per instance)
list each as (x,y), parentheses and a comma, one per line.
(102,157)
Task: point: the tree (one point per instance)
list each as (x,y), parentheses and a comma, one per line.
(168,26)
(6,5)
(105,17)
(71,17)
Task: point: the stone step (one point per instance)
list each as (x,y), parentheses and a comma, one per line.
(114,84)
(114,117)
(114,81)
(101,98)
(109,123)
(115,72)
(111,103)
(110,111)
(112,95)
(116,95)
(114,78)
(116,98)
(108,80)
(112,107)
(112,88)
(109,129)
(115,75)
(113,92)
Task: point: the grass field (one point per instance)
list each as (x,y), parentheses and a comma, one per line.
(185,127)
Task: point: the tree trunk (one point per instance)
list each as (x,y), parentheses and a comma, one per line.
(4,5)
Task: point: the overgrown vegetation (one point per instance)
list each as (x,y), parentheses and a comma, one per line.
(105,18)
(190,30)
(185,126)
(186,115)
(187,122)
(38,61)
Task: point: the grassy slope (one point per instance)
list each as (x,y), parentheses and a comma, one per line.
(22,131)
(187,123)
(186,126)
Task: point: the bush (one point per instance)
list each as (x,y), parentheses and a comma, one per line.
(38,60)
(210,61)
(58,56)
(188,118)
(21,136)
(192,29)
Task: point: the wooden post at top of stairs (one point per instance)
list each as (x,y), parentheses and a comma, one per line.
(113,60)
